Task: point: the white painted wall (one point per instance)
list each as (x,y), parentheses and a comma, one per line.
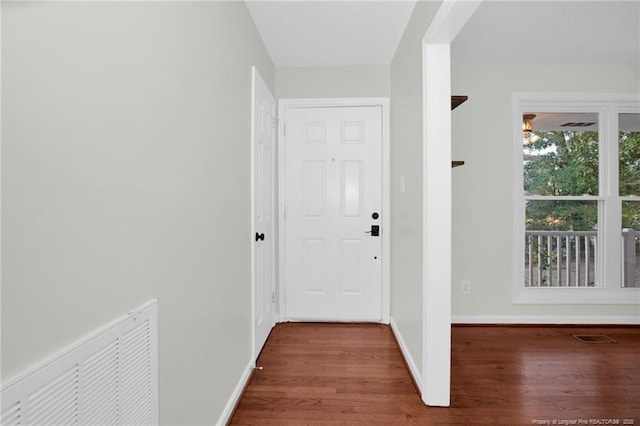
(126,176)
(406,166)
(333,82)
(483,198)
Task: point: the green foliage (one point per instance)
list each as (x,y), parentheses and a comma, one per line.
(569,166)
(630,163)
(566,163)
(630,177)
(631,215)
(562,215)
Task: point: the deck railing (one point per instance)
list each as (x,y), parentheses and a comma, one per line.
(569,258)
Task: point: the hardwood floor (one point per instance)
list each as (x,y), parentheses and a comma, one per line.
(353,374)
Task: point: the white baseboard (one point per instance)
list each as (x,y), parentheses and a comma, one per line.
(225,417)
(545,319)
(413,368)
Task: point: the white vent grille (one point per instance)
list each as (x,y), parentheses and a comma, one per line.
(100,384)
(109,378)
(12,415)
(136,376)
(55,403)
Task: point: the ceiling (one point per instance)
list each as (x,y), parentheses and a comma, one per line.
(307,33)
(572,31)
(586,121)
(313,33)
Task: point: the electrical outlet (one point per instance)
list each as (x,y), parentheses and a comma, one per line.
(465,286)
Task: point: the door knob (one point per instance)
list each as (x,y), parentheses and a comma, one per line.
(259,236)
(375,231)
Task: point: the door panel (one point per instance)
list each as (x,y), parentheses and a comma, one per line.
(351,255)
(351,187)
(314,188)
(313,266)
(263,207)
(333,185)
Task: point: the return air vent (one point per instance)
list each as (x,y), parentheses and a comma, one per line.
(577,124)
(594,338)
(108,378)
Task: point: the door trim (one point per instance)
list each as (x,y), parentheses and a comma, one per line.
(283,104)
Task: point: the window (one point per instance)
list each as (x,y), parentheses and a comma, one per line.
(629,191)
(577,177)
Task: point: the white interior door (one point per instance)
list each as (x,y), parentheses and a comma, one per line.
(262,237)
(333,204)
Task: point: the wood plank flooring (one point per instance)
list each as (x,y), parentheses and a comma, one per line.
(353,374)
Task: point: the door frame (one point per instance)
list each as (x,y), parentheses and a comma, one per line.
(383,103)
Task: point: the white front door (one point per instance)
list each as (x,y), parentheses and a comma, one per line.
(333,213)
(262,237)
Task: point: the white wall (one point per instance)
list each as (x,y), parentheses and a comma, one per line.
(333,82)
(483,195)
(126,176)
(406,165)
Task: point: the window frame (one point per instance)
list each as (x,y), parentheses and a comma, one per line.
(608,265)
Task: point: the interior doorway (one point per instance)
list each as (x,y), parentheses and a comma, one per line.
(334,210)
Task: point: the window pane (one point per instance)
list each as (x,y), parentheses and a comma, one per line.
(629,153)
(560,153)
(631,243)
(561,243)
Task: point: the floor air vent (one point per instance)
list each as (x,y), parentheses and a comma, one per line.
(594,338)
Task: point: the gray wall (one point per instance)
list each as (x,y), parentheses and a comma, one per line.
(483,193)
(126,176)
(333,82)
(406,161)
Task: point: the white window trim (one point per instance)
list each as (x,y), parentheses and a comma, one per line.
(608,106)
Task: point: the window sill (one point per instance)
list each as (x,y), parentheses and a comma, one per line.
(576,296)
